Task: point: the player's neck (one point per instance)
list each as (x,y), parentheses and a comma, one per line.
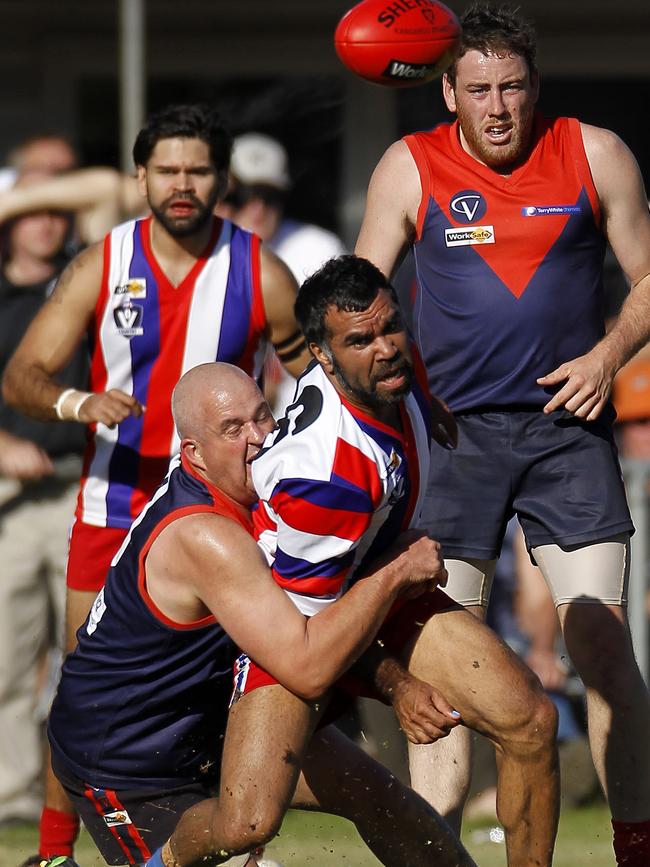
(176,256)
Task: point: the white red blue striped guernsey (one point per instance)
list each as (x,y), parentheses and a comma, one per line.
(336,487)
(145,335)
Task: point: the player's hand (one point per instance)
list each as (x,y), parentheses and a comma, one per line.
(22,459)
(109,407)
(444,429)
(587,384)
(423,713)
(418,562)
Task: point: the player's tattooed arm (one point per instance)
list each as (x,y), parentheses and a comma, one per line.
(279,293)
(29,382)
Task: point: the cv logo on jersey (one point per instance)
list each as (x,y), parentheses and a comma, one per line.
(128,319)
(467,206)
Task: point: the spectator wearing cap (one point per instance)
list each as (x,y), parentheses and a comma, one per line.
(261,182)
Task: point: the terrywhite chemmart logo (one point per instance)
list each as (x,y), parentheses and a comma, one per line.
(550,210)
(469,237)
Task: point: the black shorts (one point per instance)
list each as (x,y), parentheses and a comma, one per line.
(558,474)
(128,825)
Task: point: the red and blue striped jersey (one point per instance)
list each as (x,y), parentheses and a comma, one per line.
(143,700)
(509,268)
(145,335)
(336,487)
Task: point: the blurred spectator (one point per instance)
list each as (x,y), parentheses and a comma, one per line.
(256,200)
(99,197)
(39,469)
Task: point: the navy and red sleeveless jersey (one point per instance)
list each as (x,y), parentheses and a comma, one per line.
(509,268)
(143,700)
(145,335)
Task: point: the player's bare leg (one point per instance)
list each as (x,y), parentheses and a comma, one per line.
(78,603)
(396,823)
(597,637)
(266,739)
(442,772)
(498,696)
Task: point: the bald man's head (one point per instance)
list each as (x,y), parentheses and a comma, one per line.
(222,419)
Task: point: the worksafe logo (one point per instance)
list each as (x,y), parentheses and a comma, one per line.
(469,237)
(409,71)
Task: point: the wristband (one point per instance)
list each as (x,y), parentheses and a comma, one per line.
(79,402)
(59,402)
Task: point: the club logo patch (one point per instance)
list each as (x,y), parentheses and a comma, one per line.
(119,817)
(467,206)
(549,210)
(128,319)
(469,237)
(134,288)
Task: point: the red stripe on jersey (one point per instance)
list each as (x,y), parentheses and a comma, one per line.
(262,521)
(315,585)
(308,517)
(576,143)
(352,465)
(98,807)
(130,829)
(209,620)
(425,183)
(174,304)
(98,370)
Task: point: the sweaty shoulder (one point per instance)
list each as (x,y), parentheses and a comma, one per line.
(607,154)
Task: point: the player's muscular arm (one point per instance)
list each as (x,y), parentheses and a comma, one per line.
(586,381)
(206,563)
(29,382)
(388,226)
(279,290)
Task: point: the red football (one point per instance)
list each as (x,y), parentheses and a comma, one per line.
(398,43)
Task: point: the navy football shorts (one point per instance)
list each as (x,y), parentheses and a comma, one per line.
(560,475)
(127,826)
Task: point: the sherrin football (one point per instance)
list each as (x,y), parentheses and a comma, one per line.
(398,43)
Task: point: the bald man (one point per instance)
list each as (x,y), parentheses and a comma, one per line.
(137,726)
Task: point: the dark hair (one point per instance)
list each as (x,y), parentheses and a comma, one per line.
(185,121)
(495,29)
(347,283)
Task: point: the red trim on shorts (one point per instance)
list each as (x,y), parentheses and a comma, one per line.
(130,829)
(90,552)
(89,793)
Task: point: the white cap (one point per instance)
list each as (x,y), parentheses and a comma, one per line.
(260,159)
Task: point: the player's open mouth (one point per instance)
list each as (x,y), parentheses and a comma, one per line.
(394,378)
(499,134)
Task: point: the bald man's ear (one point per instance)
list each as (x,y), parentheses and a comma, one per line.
(191,451)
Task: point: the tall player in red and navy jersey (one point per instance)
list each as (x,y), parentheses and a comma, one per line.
(159,296)
(343,474)
(508,213)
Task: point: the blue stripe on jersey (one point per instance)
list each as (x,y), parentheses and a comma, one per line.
(235,323)
(125,460)
(293,567)
(338,495)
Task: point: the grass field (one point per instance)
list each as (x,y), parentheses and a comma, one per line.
(316,839)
